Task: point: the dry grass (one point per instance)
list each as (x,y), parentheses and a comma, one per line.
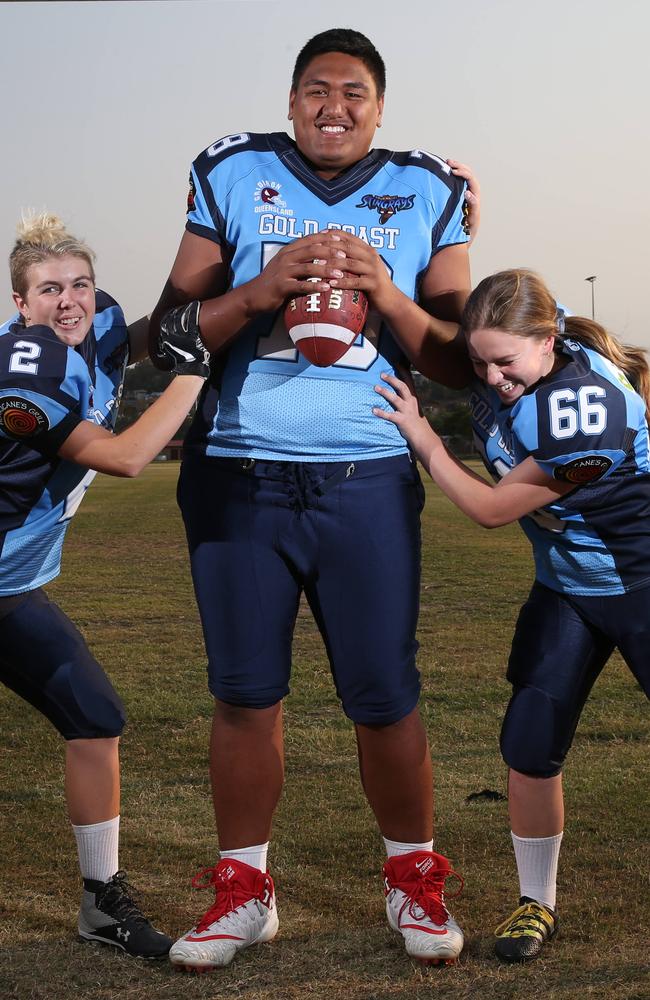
(126,583)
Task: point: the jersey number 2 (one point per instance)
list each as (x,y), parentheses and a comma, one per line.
(23,358)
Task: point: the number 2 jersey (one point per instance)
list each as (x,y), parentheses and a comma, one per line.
(253,194)
(46,390)
(583,424)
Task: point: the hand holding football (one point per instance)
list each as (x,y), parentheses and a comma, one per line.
(323,325)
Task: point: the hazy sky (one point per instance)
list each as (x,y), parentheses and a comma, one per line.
(106,104)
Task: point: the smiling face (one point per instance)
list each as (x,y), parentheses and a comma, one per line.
(60,294)
(509,363)
(335,111)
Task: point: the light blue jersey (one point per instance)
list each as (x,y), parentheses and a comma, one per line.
(253,194)
(46,390)
(583,424)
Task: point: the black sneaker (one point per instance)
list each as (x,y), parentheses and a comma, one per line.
(109,914)
(523,935)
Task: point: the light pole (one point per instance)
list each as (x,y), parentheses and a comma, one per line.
(591,279)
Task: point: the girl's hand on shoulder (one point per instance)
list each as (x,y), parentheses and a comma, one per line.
(472,197)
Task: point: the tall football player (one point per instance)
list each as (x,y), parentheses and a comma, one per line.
(290,485)
(62,363)
(559,409)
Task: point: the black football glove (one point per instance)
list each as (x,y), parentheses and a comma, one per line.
(180,344)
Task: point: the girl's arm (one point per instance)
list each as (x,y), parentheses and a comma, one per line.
(522,491)
(126,454)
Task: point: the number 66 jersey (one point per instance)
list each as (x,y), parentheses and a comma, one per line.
(585,425)
(46,390)
(253,194)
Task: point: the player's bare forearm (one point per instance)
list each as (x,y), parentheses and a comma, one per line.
(138,332)
(444,290)
(435,347)
(520,492)
(200,273)
(470,492)
(127,453)
(223,317)
(426,331)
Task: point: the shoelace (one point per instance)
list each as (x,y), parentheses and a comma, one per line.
(118,898)
(427,894)
(529,919)
(229,893)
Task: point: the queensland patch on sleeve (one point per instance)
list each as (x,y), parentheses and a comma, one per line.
(21,418)
(585,469)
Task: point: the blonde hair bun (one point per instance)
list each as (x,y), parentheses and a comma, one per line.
(41,235)
(41,228)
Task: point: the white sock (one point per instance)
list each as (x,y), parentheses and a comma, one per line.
(253,856)
(394,847)
(97,846)
(537,859)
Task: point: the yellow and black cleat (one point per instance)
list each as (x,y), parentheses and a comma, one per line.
(523,935)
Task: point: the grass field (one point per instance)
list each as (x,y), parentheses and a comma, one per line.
(126,583)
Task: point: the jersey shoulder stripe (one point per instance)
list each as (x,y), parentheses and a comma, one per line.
(427,162)
(231,145)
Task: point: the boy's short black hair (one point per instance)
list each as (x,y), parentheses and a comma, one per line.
(345,40)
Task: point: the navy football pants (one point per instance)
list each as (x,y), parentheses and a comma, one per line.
(348,535)
(44,659)
(560,646)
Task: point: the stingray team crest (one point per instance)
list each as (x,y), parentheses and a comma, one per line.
(386,204)
(20,418)
(268,192)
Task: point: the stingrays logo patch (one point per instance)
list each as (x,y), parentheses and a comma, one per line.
(20,418)
(386,204)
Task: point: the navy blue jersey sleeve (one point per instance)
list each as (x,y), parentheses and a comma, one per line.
(207,176)
(577,432)
(449,207)
(42,385)
(203,216)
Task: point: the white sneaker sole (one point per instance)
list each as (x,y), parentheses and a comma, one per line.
(447,951)
(183,960)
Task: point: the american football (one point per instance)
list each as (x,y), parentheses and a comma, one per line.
(323,325)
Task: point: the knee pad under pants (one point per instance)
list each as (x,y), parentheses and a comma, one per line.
(44,659)
(555,659)
(533,734)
